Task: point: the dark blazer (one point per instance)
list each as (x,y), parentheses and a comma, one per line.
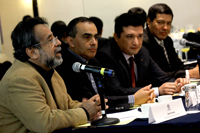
(110,56)
(79,86)
(176,68)
(102,42)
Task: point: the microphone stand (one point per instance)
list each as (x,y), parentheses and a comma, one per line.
(104,120)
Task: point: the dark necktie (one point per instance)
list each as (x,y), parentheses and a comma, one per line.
(131,60)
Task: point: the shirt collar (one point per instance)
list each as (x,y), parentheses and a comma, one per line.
(78,57)
(159,41)
(127,56)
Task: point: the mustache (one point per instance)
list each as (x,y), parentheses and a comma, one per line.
(92,47)
(58,49)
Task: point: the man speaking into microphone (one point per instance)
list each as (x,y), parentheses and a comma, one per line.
(82,40)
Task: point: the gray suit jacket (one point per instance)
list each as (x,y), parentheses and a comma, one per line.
(26,103)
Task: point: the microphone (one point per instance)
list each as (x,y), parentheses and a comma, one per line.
(77,67)
(184,42)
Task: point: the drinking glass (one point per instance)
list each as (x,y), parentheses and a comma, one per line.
(185,50)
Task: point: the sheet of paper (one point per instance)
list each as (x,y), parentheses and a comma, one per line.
(125,117)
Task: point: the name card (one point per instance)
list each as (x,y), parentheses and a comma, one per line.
(165,111)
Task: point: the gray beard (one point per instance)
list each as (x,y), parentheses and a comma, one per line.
(50,62)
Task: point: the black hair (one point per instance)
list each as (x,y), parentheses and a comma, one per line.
(126,20)
(98,23)
(159,8)
(59,28)
(71,28)
(26,17)
(23,36)
(140,11)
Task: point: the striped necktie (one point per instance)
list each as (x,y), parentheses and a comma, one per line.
(165,51)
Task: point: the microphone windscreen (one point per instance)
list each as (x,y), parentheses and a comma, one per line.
(76,66)
(182,42)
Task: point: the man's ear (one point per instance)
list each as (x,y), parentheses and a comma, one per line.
(70,41)
(116,37)
(32,53)
(148,21)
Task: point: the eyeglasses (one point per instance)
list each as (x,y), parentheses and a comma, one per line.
(55,42)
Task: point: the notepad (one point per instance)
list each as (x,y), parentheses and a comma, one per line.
(125,117)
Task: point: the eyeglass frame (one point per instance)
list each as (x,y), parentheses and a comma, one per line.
(53,40)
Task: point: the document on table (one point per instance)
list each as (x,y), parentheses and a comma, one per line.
(124,117)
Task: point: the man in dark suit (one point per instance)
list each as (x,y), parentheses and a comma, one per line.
(82,40)
(127,43)
(160,45)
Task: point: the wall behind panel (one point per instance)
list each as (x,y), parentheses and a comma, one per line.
(185,12)
(107,10)
(12,11)
(64,10)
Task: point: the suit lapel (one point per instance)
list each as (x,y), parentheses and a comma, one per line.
(122,61)
(158,48)
(84,75)
(57,93)
(140,67)
(58,89)
(125,67)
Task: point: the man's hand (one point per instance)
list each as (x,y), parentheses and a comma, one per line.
(84,99)
(168,88)
(194,73)
(93,106)
(152,98)
(181,82)
(144,95)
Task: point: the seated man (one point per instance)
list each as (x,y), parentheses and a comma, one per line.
(82,39)
(33,96)
(160,45)
(134,68)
